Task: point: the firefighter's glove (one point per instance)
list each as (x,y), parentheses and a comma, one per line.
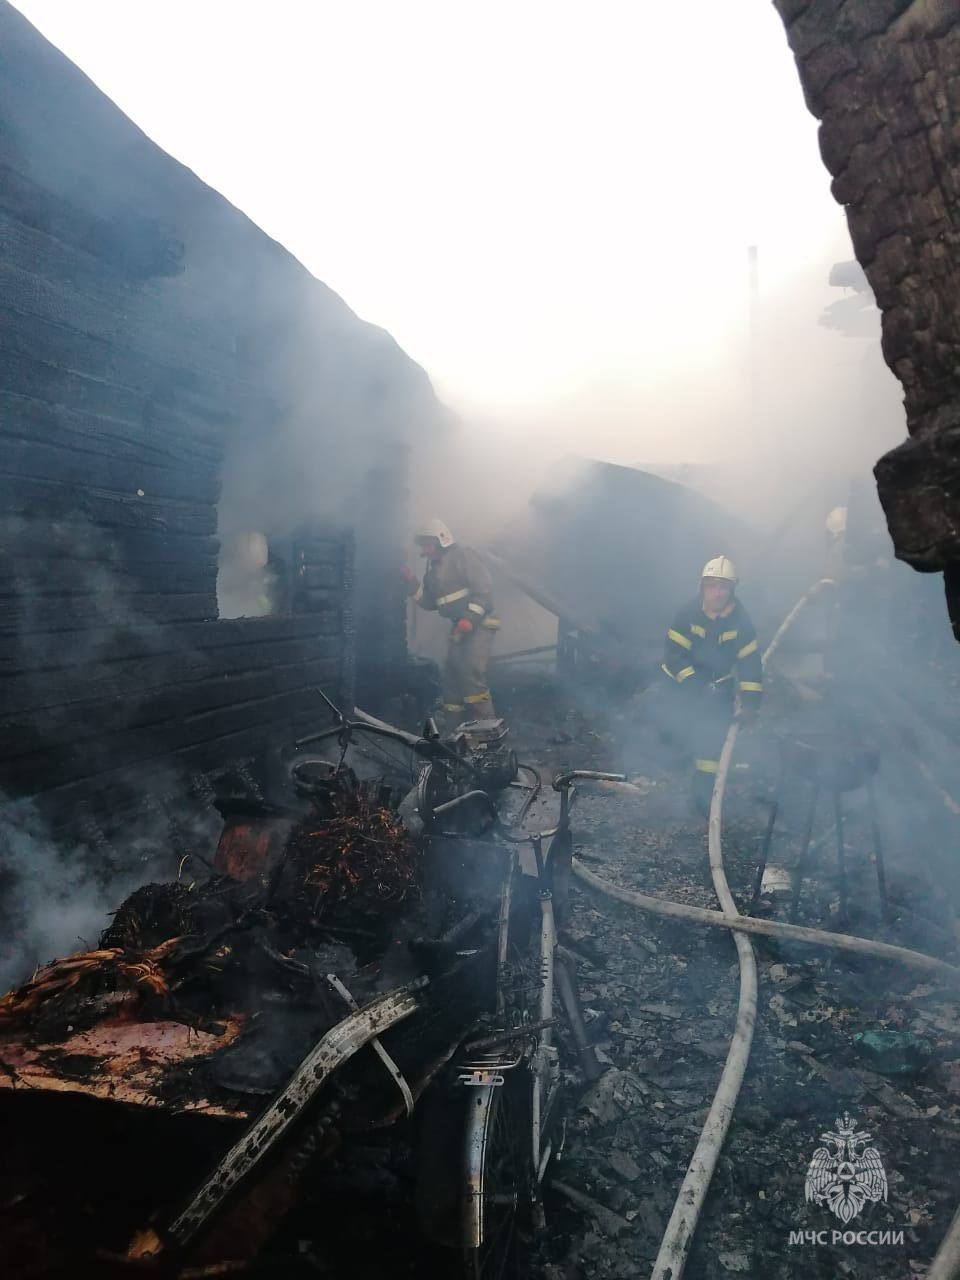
(463,627)
(408,579)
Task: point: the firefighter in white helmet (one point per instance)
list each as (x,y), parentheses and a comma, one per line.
(457,585)
(711,669)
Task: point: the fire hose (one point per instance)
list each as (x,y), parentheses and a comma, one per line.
(675,1246)
(672,1257)
(769,928)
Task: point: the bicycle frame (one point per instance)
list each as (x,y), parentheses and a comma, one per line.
(552,874)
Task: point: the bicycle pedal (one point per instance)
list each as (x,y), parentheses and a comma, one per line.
(480,1078)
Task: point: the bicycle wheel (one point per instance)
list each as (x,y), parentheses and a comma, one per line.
(496,1169)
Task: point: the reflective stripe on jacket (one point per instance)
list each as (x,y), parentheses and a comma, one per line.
(458,586)
(701,650)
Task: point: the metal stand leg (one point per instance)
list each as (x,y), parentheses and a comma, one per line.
(878,852)
(803,853)
(841,854)
(765,851)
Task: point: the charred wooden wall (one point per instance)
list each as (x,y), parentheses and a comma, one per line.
(148,332)
(882,79)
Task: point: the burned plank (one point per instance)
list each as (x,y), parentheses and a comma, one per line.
(133,677)
(119,787)
(36,538)
(26,576)
(49,383)
(24,616)
(64,650)
(58,282)
(56,424)
(36,460)
(53,501)
(116,363)
(134,246)
(144,744)
(159,706)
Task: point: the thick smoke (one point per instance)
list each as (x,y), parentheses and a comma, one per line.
(59,882)
(351,407)
(51,905)
(787,411)
(60,886)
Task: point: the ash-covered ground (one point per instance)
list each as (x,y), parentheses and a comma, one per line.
(661,998)
(660,1001)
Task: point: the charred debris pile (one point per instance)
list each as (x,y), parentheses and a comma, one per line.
(204,999)
(247,942)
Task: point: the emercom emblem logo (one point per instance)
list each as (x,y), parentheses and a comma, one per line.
(845,1173)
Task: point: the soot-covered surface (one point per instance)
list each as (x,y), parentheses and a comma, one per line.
(661,999)
(204,997)
(660,1002)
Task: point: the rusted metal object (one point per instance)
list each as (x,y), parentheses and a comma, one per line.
(489,1043)
(336,1047)
(396,1075)
(251,842)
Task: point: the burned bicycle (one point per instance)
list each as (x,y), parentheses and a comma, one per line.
(378,957)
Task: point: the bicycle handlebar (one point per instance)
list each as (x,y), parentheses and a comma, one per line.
(425,748)
(565,779)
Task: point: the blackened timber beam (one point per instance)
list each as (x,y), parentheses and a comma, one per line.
(59,726)
(52,500)
(75,761)
(73,649)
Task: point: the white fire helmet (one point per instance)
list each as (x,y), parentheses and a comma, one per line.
(722,568)
(434,528)
(837,522)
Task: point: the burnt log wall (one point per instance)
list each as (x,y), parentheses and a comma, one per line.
(148,332)
(882,79)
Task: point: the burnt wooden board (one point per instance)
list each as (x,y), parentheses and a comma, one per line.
(59,764)
(133,677)
(53,500)
(58,424)
(66,539)
(26,576)
(65,463)
(56,727)
(24,617)
(79,647)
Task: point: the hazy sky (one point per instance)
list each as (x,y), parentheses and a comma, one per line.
(547,204)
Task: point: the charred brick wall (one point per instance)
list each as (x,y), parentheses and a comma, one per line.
(148,333)
(882,79)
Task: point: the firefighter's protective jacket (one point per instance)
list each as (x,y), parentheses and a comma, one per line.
(458,585)
(700,650)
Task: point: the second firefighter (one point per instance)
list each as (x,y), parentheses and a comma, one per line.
(457,585)
(711,664)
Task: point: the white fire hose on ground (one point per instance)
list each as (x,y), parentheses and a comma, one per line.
(672,1257)
(675,1246)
